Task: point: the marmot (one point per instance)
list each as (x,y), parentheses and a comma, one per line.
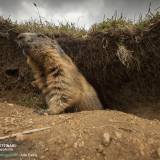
(60,81)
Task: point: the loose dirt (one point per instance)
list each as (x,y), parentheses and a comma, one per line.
(95,135)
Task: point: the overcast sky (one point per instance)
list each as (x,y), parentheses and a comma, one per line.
(80,12)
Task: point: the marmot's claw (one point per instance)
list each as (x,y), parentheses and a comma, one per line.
(50,112)
(41,111)
(47,112)
(54,111)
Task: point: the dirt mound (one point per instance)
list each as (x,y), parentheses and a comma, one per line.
(85,135)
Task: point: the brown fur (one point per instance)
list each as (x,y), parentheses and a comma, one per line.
(58,78)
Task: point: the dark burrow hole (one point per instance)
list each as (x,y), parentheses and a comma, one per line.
(14,72)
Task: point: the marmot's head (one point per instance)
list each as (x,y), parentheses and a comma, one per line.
(39,49)
(32,45)
(36,41)
(28,41)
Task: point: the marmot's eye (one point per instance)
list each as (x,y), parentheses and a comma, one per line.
(20,37)
(41,35)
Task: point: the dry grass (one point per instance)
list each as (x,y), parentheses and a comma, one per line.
(49,28)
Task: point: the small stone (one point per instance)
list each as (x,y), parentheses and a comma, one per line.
(75,145)
(78,144)
(118,135)
(142,148)
(45,114)
(106,138)
(100,149)
(30,121)
(61,116)
(53,123)
(81,144)
(46,149)
(20,137)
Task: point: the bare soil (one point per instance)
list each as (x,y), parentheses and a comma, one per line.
(95,135)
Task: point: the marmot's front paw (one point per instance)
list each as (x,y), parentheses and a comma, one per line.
(55,111)
(41,111)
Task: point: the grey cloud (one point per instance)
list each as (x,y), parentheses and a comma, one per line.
(132,7)
(13,5)
(91,10)
(10,5)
